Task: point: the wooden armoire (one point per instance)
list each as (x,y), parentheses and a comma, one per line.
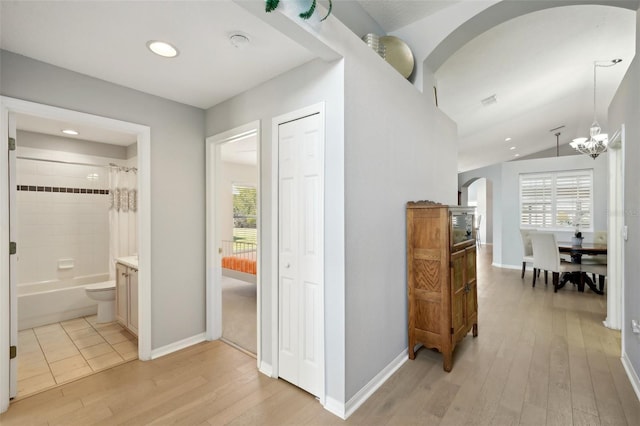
(441,276)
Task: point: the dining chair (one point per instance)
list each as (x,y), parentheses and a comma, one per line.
(546,256)
(527,249)
(595,269)
(596,265)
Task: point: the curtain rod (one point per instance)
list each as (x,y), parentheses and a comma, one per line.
(134,169)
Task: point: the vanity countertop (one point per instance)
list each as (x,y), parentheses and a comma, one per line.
(130,261)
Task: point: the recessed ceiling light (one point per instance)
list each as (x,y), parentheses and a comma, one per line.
(70,132)
(512,148)
(507,139)
(162,48)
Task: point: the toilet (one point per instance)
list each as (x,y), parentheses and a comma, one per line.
(105,294)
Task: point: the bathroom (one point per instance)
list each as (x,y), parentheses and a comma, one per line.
(76,204)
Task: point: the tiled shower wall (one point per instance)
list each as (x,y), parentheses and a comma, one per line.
(62,220)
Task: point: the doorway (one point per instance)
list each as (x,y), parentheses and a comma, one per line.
(233,237)
(20,115)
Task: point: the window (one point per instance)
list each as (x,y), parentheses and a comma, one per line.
(244,213)
(558,200)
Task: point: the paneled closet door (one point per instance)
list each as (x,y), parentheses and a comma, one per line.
(300,270)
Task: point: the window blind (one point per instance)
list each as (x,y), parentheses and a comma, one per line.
(557,200)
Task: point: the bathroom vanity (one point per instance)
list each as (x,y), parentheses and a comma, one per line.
(127,293)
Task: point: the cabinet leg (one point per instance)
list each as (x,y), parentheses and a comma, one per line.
(475,330)
(412,352)
(448,361)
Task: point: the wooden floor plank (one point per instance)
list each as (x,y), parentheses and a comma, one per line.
(540,358)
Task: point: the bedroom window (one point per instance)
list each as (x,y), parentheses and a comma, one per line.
(244,214)
(557,200)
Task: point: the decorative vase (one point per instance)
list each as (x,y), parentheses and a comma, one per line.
(576,241)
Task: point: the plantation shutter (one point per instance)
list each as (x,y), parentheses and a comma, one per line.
(536,200)
(574,199)
(557,200)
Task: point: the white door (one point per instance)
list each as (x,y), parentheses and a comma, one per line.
(301,246)
(13,265)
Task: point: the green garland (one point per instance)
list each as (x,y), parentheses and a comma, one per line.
(271,5)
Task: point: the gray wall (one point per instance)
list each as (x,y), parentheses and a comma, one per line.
(177,181)
(507,245)
(398,147)
(625,109)
(309,84)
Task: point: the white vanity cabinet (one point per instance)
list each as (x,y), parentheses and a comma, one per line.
(127,296)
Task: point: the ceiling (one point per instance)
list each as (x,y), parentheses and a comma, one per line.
(539,66)
(107,40)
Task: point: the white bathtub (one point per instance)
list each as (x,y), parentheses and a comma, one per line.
(47,302)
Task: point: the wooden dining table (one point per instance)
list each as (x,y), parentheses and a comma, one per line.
(576,252)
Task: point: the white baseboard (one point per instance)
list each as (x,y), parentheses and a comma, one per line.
(631,373)
(500,265)
(335,407)
(345,410)
(176,346)
(266,369)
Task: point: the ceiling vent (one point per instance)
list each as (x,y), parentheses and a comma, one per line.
(490,100)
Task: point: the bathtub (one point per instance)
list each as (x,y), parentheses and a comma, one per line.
(43,303)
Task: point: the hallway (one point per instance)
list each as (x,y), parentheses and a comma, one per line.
(540,358)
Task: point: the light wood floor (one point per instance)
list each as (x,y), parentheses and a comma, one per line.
(540,358)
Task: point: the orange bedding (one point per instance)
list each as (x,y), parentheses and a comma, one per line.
(239,264)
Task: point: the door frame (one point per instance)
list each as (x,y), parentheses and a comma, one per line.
(143,134)
(213,284)
(615,243)
(319,109)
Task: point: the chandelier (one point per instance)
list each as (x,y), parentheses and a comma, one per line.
(597,142)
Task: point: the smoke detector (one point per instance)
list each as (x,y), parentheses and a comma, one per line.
(239,40)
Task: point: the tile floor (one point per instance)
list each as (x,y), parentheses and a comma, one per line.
(64,351)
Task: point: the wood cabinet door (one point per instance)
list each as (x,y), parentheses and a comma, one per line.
(458,295)
(472,287)
(122,300)
(133,301)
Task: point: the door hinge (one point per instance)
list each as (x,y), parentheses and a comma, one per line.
(13,247)
(451,330)
(12,144)
(13,352)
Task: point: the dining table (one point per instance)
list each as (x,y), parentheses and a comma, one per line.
(576,252)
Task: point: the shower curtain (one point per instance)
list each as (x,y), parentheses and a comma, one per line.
(123,200)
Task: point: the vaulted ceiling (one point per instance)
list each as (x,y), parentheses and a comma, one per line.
(539,66)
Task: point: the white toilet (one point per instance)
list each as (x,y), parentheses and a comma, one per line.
(105,294)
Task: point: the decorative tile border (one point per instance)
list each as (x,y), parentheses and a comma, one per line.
(32,188)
